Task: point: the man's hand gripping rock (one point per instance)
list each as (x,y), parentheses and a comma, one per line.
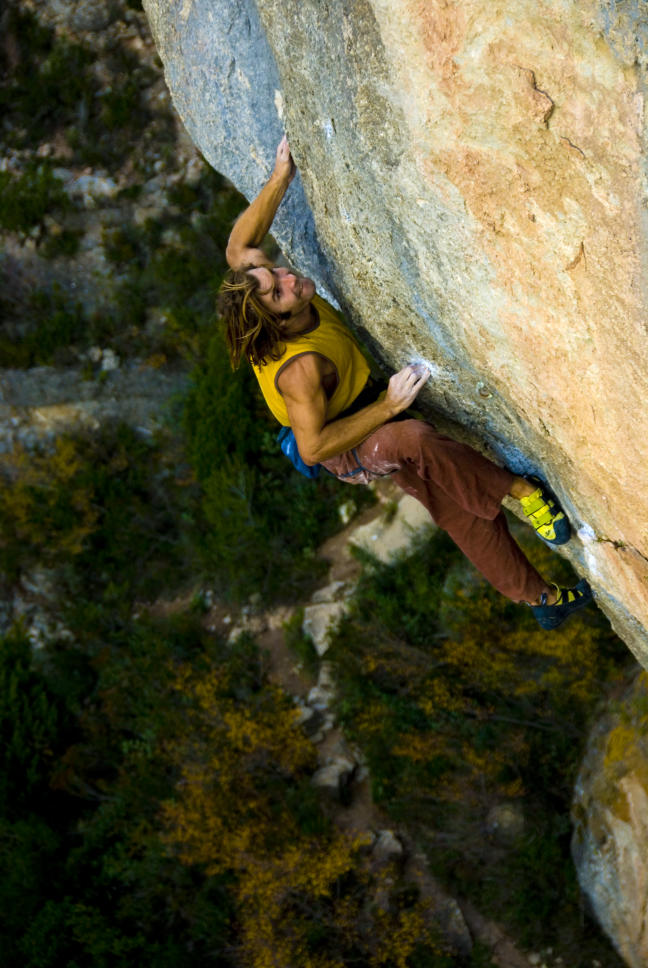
(404,387)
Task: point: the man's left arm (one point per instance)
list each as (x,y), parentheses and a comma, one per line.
(306,403)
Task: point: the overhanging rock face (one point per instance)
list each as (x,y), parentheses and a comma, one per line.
(472,194)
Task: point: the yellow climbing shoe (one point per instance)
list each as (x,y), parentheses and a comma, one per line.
(569,600)
(544,513)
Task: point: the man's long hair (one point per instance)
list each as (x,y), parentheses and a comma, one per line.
(251,330)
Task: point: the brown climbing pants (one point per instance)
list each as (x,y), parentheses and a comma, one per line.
(462,490)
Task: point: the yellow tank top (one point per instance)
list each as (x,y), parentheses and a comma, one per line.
(330,339)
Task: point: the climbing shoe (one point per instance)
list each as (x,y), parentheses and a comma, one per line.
(569,600)
(542,510)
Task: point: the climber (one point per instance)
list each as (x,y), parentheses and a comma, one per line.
(316,382)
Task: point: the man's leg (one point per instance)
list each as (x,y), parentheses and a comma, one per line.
(486,542)
(463,492)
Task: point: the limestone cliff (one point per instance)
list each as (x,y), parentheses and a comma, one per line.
(471,194)
(610,815)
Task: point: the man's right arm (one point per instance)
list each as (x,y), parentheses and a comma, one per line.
(306,403)
(253,225)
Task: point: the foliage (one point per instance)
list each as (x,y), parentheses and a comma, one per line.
(243,806)
(168,269)
(46,506)
(45,328)
(249,867)
(33,727)
(62,243)
(25,199)
(50,79)
(460,701)
(100,509)
(174,267)
(300,643)
(155,721)
(90,882)
(50,87)
(438,668)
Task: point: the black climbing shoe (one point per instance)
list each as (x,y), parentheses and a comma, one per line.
(569,601)
(544,513)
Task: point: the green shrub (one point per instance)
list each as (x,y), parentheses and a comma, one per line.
(119,106)
(51,81)
(25,199)
(89,881)
(53,89)
(300,643)
(103,509)
(46,327)
(459,701)
(61,244)
(34,726)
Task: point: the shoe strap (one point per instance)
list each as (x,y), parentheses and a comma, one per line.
(540,512)
(532,501)
(568,595)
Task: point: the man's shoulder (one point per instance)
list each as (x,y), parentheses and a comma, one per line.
(302,374)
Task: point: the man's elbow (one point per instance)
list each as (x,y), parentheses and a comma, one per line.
(310,452)
(311,458)
(233,256)
(318,452)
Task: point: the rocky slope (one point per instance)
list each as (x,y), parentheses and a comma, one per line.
(123,378)
(471,193)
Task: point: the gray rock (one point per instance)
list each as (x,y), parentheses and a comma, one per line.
(311,721)
(38,404)
(505,823)
(323,693)
(91,190)
(320,621)
(391,535)
(109,361)
(320,698)
(334,592)
(77,16)
(610,815)
(35,604)
(335,777)
(386,847)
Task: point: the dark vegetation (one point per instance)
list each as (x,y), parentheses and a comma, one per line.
(49,87)
(26,198)
(155,798)
(460,702)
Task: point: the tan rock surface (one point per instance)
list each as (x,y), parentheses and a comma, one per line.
(475,179)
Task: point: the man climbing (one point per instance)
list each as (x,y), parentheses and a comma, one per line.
(316,381)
